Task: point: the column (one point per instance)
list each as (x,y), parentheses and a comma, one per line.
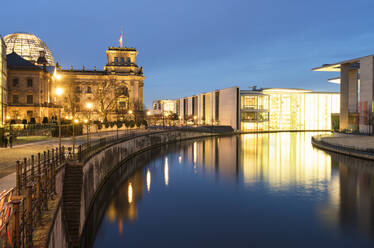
(366,93)
(344,96)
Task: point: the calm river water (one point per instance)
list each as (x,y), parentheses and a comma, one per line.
(254,190)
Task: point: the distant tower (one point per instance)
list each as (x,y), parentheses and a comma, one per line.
(122,59)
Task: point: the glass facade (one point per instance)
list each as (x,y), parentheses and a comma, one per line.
(28,46)
(283,109)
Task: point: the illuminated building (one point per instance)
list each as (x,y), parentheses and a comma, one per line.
(114,91)
(271,109)
(163,106)
(356,92)
(29,78)
(287,109)
(3,80)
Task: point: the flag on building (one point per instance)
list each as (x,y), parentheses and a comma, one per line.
(120,40)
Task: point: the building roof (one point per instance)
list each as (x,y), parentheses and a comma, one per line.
(336,66)
(14,61)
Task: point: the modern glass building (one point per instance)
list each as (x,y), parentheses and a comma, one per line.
(287,109)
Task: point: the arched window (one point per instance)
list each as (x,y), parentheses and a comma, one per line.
(89,89)
(128,60)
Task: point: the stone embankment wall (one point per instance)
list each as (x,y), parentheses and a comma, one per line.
(89,177)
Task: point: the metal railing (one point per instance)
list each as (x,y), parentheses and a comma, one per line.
(21,207)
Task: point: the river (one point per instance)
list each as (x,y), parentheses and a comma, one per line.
(252,190)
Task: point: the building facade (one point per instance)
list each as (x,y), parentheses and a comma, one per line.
(113,91)
(356,92)
(287,109)
(160,107)
(271,109)
(219,107)
(3,82)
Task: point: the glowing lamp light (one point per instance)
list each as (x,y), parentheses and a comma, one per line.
(85,121)
(59,91)
(130,112)
(166,114)
(76,121)
(195,117)
(89,105)
(7,117)
(148,113)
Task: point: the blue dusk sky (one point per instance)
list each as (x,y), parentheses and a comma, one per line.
(194,46)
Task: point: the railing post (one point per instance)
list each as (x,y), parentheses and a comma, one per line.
(32,167)
(18,178)
(24,172)
(45,188)
(80,153)
(16,231)
(39,168)
(38,197)
(29,216)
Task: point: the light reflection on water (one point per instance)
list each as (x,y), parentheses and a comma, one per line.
(263,190)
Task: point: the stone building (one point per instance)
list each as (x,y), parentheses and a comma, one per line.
(29,78)
(3,81)
(29,90)
(112,91)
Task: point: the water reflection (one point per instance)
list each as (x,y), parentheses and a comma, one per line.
(337,191)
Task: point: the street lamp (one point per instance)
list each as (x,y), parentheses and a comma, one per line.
(59,92)
(89,106)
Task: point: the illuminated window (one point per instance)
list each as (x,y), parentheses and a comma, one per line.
(115,59)
(249,102)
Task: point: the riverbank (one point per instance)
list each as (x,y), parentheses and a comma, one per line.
(352,145)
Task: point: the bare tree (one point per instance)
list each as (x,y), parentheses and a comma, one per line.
(105,95)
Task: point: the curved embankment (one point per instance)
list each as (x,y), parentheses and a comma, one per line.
(80,182)
(346,150)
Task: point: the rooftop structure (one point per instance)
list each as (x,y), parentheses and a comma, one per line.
(28,46)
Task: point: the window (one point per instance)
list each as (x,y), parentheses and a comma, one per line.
(29,82)
(122,104)
(15,82)
(15,99)
(30,113)
(122,60)
(30,99)
(77,89)
(217,106)
(128,60)
(89,89)
(115,59)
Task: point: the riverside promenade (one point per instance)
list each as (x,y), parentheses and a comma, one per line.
(360,146)
(9,156)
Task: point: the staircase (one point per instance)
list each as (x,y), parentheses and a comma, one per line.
(72,202)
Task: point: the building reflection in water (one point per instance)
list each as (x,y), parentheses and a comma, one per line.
(122,208)
(278,160)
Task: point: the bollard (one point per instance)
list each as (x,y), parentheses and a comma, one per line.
(18,177)
(29,216)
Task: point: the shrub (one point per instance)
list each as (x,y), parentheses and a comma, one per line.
(112,123)
(127,123)
(12,121)
(144,123)
(24,121)
(119,124)
(131,123)
(99,126)
(106,124)
(32,120)
(138,123)
(45,120)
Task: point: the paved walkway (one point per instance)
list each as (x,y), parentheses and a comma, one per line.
(9,156)
(358,142)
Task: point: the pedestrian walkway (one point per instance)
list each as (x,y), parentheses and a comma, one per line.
(358,142)
(9,156)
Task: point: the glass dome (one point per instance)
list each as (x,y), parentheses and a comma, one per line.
(28,46)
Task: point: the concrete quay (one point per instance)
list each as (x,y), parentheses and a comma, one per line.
(360,146)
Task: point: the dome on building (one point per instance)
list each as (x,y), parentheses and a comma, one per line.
(28,46)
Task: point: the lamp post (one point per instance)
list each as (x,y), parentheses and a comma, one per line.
(59,92)
(89,106)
